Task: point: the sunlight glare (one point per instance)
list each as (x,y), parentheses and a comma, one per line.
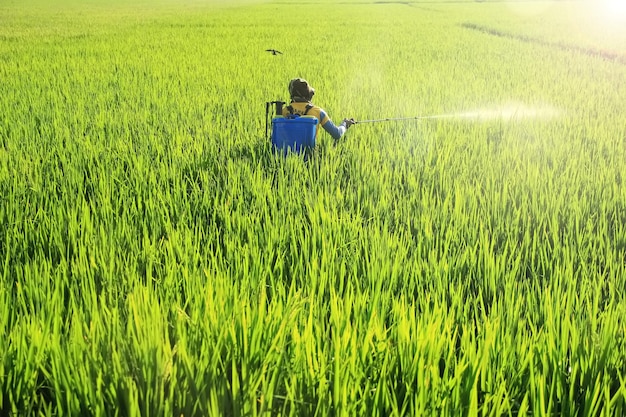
(614,10)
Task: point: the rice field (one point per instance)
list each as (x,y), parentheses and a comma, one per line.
(157,258)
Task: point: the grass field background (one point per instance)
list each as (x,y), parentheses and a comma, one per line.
(156,258)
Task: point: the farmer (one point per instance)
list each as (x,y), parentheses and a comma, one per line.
(301,94)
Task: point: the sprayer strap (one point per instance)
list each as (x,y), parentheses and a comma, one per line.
(306,110)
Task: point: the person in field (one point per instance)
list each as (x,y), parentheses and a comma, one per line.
(301,94)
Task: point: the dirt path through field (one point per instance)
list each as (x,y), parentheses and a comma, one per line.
(607,55)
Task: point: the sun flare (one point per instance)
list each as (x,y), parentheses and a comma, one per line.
(614,9)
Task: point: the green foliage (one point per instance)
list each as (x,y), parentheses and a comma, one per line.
(156,258)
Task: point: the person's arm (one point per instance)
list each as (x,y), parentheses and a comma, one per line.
(335,131)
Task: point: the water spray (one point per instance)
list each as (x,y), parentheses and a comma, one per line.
(510,112)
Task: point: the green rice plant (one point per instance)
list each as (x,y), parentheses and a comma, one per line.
(157,258)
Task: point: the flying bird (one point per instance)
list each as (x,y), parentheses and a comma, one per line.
(274,51)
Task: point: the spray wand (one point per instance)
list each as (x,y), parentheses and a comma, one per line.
(394,119)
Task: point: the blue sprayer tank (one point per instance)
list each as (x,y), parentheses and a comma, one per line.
(294,134)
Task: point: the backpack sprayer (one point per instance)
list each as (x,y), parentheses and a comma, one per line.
(296,133)
(290,133)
